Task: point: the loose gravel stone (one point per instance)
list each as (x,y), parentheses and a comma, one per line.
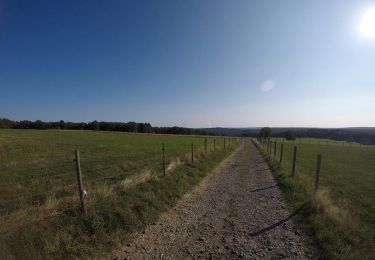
(235,213)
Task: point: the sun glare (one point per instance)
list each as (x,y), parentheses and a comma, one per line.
(368,24)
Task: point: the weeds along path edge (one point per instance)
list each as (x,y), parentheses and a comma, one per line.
(110,219)
(333,229)
(236,212)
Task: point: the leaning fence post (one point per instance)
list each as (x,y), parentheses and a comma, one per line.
(164,162)
(81,191)
(192,153)
(294,160)
(281,152)
(318,162)
(274,149)
(270,149)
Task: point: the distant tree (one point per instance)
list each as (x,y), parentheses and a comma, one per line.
(94,125)
(25,124)
(132,127)
(144,128)
(62,124)
(38,124)
(6,123)
(289,135)
(265,132)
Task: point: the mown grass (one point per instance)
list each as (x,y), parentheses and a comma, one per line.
(341,215)
(122,173)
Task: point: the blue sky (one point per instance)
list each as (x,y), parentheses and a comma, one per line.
(188,63)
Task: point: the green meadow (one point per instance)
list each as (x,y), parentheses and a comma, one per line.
(342,213)
(40,215)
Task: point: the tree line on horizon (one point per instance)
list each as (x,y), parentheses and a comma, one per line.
(359,136)
(100,126)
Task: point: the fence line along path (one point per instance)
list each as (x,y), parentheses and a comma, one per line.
(236,212)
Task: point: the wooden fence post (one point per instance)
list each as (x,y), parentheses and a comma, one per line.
(318,162)
(274,149)
(81,191)
(224,144)
(214,144)
(229,141)
(164,161)
(294,160)
(205,145)
(281,153)
(192,153)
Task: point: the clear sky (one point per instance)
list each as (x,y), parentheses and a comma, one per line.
(189,63)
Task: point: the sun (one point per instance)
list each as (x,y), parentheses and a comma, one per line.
(367,26)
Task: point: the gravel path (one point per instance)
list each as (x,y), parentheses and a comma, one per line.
(237,212)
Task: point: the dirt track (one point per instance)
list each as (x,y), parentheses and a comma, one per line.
(237,212)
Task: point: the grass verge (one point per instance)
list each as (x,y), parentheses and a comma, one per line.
(336,231)
(114,213)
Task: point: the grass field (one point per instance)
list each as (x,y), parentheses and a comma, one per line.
(343,212)
(122,174)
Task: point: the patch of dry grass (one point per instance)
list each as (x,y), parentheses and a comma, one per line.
(174,164)
(27,216)
(133,180)
(336,219)
(322,204)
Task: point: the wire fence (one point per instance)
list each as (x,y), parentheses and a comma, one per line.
(319,141)
(34,180)
(346,172)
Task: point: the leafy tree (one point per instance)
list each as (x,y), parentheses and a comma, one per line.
(289,135)
(265,132)
(6,123)
(132,127)
(38,124)
(62,124)
(94,125)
